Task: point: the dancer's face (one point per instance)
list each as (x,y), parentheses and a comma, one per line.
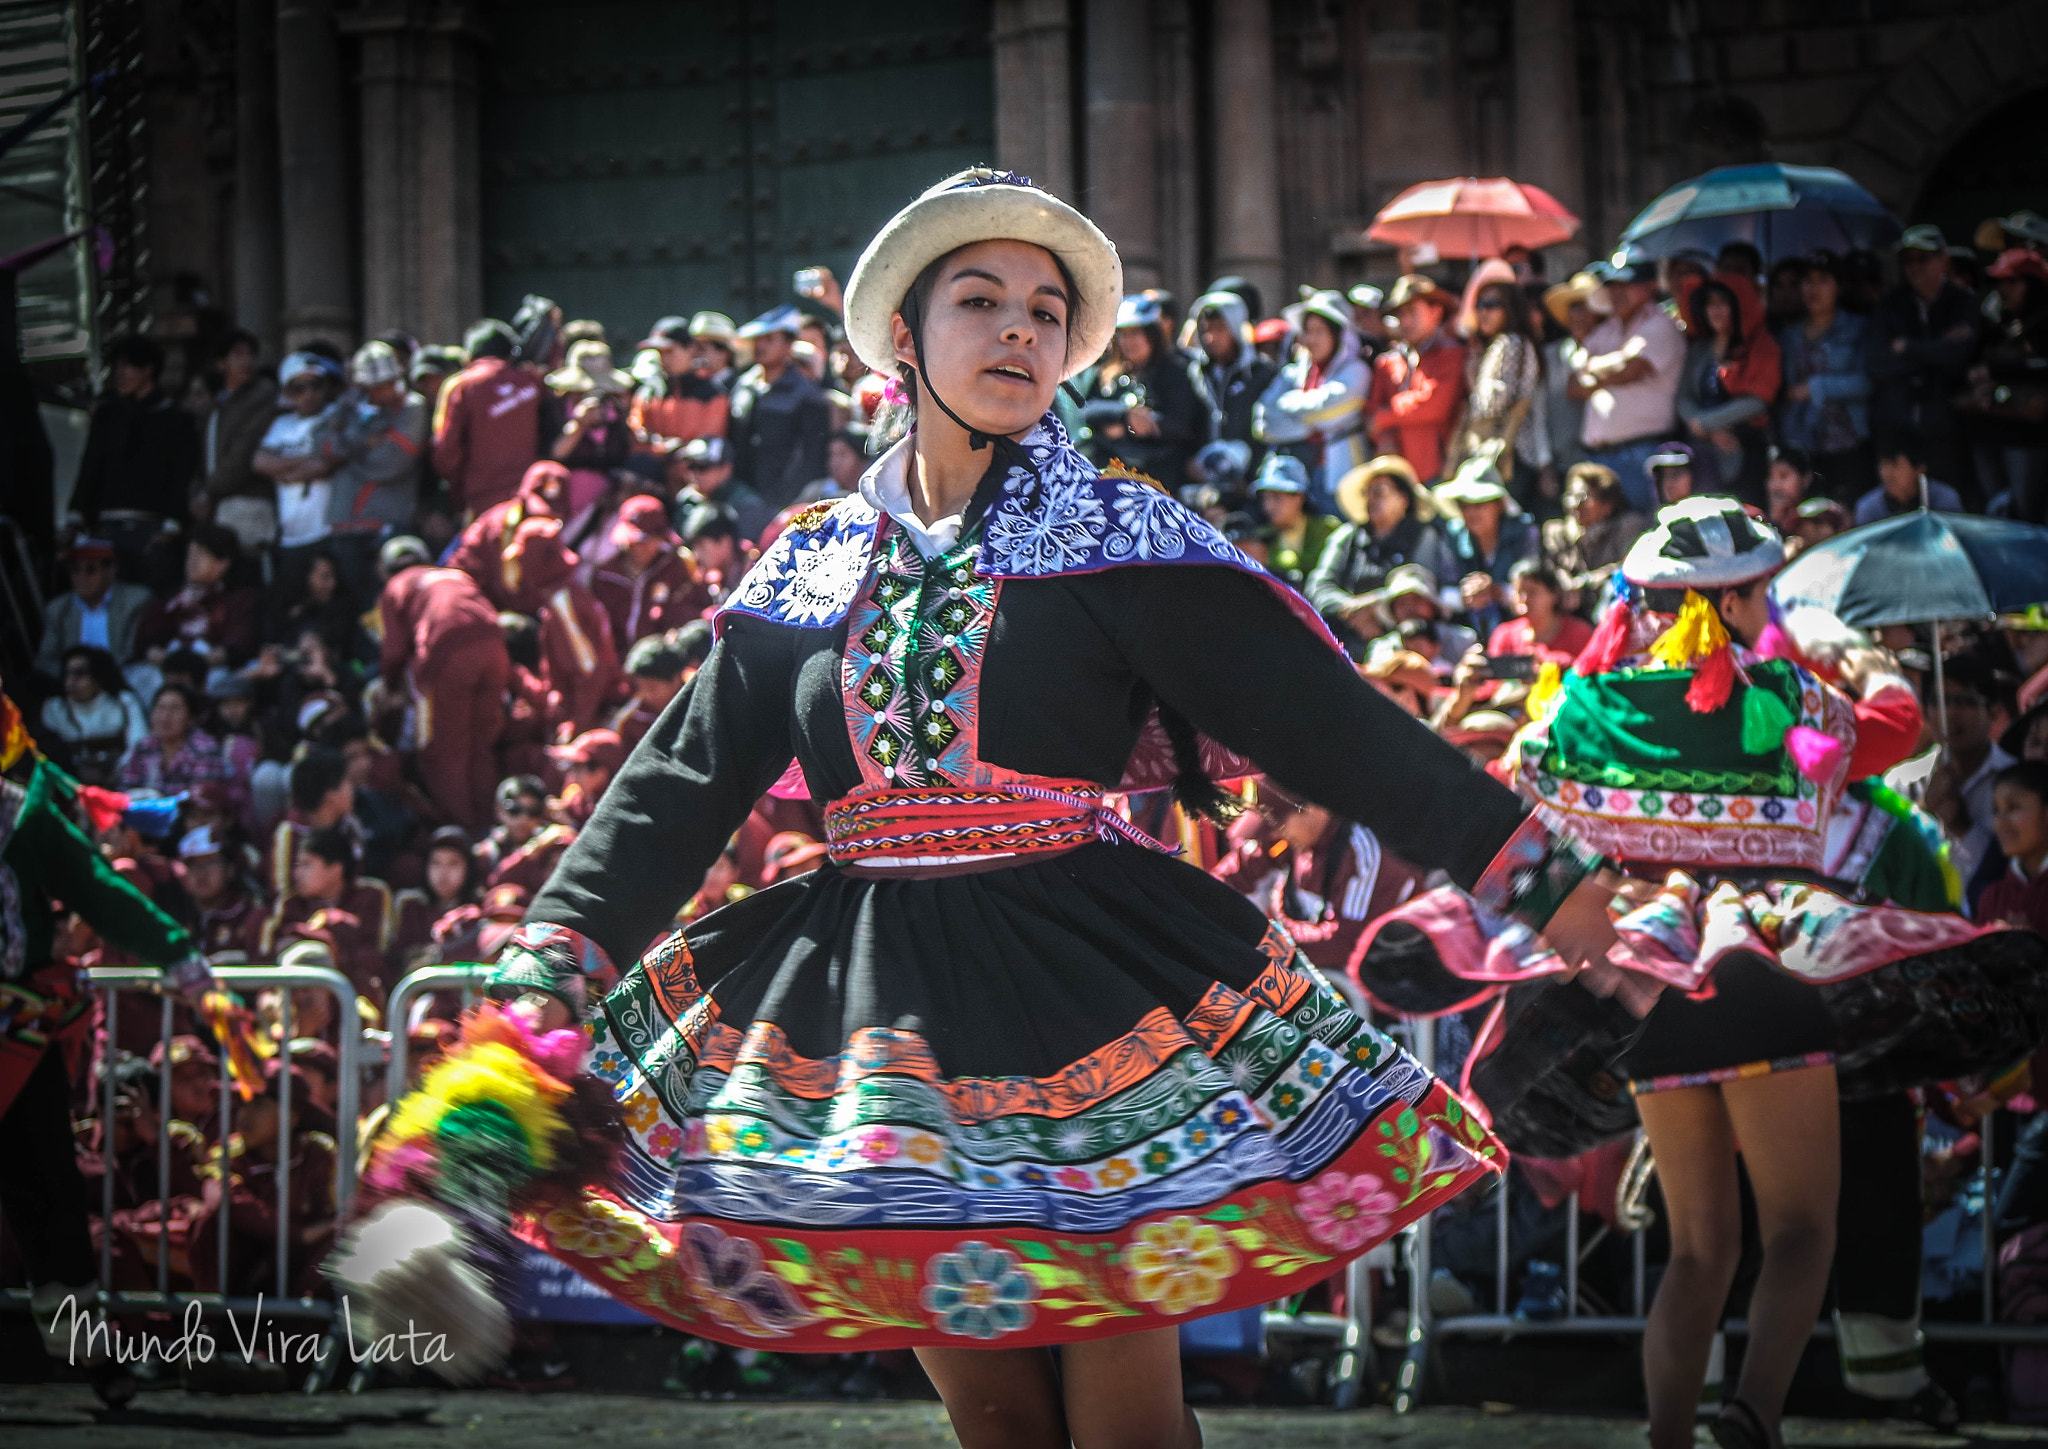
(995,335)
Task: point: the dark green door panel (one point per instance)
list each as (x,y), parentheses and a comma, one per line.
(642,159)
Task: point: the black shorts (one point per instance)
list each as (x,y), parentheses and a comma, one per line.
(1757,1015)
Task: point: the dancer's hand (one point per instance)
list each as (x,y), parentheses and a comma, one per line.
(1580,931)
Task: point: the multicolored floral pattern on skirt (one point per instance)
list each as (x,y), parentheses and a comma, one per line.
(1195,1165)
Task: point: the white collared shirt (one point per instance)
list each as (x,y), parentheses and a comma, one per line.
(887,486)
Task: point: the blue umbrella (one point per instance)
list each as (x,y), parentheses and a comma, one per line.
(1785,211)
(1919,568)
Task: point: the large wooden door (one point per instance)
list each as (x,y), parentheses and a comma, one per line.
(648,157)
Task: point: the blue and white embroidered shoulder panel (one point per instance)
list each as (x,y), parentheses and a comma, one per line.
(1059,516)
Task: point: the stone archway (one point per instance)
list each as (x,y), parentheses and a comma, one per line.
(1962,74)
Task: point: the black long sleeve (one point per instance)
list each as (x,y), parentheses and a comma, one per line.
(1222,648)
(686,787)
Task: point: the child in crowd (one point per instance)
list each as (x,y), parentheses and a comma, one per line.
(2019,818)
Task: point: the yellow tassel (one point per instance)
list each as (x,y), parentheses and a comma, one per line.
(488,1072)
(1697,633)
(1546,693)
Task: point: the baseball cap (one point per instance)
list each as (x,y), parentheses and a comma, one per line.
(1926,237)
(713,326)
(438,359)
(1273,329)
(199,840)
(1669,455)
(1367,296)
(1137,310)
(1224,460)
(642,517)
(668,332)
(1404,580)
(708,451)
(1622,268)
(1281,473)
(375,363)
(601,748)
(778,319)
(403,552)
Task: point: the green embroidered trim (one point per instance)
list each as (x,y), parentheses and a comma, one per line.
(1262,1053)
(1270,1072)
(1631,729)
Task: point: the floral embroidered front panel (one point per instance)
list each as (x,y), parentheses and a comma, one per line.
(911,676)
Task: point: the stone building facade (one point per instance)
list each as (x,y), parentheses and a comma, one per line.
(337,167)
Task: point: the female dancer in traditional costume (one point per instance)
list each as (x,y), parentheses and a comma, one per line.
(1002,1075)
(1695,744)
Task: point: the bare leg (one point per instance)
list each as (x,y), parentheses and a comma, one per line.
(1125,1393)
(1789,1126)
(999,1398)
(1695,1149)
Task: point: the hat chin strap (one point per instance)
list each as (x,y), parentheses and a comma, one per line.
(976,438)
(914,317)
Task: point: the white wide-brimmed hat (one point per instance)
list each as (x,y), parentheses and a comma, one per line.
(1704,543)
(979,205)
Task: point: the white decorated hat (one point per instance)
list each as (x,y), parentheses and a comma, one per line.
(1704,543)
(979,205)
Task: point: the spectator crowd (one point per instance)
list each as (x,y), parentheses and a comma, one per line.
(384,625)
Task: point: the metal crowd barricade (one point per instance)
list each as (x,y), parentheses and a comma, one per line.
(398,1006)
(1424,1328)
(111,981)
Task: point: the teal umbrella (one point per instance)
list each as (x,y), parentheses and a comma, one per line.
(1784,211)
(1920,567)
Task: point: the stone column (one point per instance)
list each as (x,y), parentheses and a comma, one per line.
(1174,143)
(1121,178)
(319,299)
(1034,95)
(1547,150)
(422,187)
(1247,147)
(256,239)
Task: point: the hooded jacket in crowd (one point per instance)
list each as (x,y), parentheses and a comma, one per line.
(1230,391)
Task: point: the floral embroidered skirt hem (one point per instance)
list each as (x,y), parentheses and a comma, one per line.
(1232,1132)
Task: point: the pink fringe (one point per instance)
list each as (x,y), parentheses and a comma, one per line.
(392,1171)
(1817,755)
(1774,643)
(558,1053)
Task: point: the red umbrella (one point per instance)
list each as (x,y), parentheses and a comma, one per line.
(1474,216)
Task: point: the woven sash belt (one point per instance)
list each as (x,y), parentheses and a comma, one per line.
(949,829)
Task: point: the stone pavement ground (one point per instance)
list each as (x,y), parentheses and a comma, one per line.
(66,1416)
